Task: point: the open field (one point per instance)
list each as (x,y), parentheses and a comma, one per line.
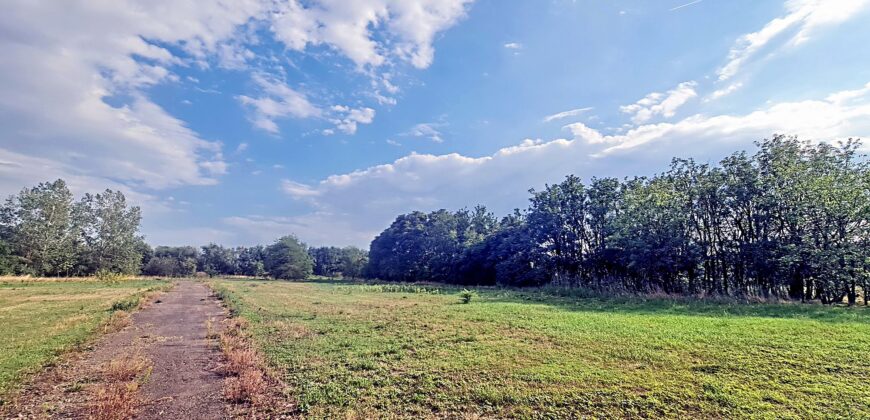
(362,350)
(42,318)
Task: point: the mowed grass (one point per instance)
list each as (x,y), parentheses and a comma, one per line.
(396,351)
(41,319)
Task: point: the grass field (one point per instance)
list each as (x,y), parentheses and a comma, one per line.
(41,319)
(368,350)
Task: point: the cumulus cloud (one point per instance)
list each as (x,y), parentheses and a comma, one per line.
(348,118)
(409,27)
(802,19)
(74,79)
(664,104)
(368,199)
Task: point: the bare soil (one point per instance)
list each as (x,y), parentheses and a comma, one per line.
(185,380)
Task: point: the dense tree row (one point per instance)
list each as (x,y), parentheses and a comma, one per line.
(44,232)
(789,221)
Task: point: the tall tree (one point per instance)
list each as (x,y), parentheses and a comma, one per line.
(39,220)
(288,259)
(110,233)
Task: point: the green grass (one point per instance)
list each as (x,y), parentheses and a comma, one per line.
(42,319)
(381,351)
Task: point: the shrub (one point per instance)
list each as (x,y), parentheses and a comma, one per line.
(467,295)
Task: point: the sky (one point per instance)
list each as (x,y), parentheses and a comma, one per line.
(240,121)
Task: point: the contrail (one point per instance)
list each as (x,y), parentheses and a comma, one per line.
(686,5)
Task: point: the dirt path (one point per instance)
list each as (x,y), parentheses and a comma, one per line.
(185,381)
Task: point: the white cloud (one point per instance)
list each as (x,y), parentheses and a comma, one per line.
(803,19)
(408,26)
(241,147)
(348,118)
(61,66)
(367,200)
(691,3)
(428,130)
(566,114)
(513,46)
(665,104)
(277,101)
(298,190)
(733,87)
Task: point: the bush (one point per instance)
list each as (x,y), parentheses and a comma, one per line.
(467,295)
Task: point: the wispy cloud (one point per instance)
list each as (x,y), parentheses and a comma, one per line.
(685,5)
(665,104)
(513,46)
(566,114)
(803,18)
(277,101)
(428,130)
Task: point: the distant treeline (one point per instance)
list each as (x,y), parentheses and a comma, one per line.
(45,232)
(287,258)
(790,221)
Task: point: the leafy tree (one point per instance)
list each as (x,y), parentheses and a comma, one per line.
(39,221)
(327,260)
(288,259)
(172,262)
(353,262)
(109,232)
(250,261)
(216,260)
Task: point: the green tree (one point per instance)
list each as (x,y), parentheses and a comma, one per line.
(216,260)
(353,262)
(41,231)
(109,231)
(288,259)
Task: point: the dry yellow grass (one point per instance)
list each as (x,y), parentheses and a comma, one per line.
(117,398)
(246,381)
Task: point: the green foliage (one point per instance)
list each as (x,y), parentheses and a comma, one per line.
(466,295)
(126,304)
(288,259)
(215,259)
(109,232)
(172,262)
(47,234)
(790,221)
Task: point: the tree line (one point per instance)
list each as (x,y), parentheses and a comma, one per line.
(45,232)
(287,258)
(790,221)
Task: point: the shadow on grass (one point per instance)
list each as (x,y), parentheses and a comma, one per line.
(680,305)
(578,300)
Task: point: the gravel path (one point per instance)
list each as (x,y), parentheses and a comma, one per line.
(185,381)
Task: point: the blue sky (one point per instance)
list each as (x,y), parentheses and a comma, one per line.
(240,121)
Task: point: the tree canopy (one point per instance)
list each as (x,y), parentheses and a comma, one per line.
(790,221)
